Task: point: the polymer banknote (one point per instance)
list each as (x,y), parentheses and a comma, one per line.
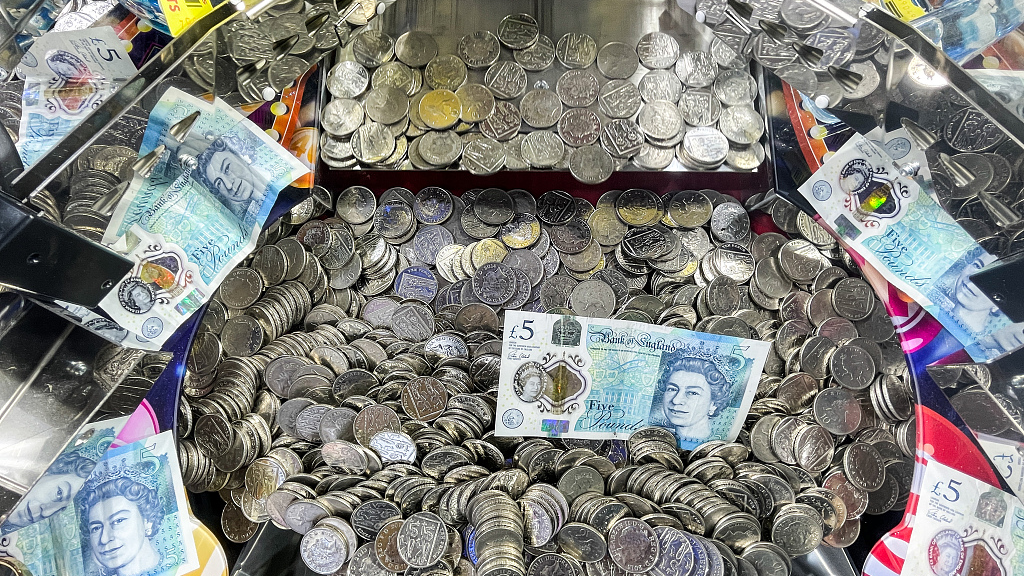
(578,377)
(195,216)
(964,527)
(67,76)
(918,247)
(57,487)
(129,517)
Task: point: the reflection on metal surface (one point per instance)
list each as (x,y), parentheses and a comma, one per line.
(90,130)
(42,257)
(48,389)
(983,100)
(824,561)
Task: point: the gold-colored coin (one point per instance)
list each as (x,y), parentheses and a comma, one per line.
(488,250)
(440,109)
(606,227)
(521,232)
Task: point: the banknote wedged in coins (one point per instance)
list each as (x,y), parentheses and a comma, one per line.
(397,103)
(344,383)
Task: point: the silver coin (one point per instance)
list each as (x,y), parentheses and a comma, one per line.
(541,108)
(837,410)
(837,45)
(660,120)
(771,54)
(735,87)
(591,164)
(415,48)
(479,49)
(507,80)
(802,17)
(653,157)
(504,123)
(696,69)
(518,31)
(616,60)
(538,57)
(372,143)
(483,156)
(623,138)
(713,10)
(579,127)
(798,76)
(341,116)
(852,367)
(386,105)
(422,539)
(576,50)
(971,131)
(747,158)
(633,545)
(477,102)
(619,99)
(542,149)
(742,125)
(577,88)
(372,48)
(658,50)
(705,146)
(446,72)
(395,75)
(868,84)
(282,73)
(660,85)
(440,148)
(726,57)
(347,79)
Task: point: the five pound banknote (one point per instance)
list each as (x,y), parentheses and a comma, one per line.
(198,214)
(577,377)
(911,240)
(129,517)
(965,527)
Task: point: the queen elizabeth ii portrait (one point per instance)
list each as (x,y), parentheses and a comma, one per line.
(691,392)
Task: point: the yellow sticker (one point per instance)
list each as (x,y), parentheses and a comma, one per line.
(181,14)
(905,10)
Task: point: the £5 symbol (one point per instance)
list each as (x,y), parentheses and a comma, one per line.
(947,490)
(524,332)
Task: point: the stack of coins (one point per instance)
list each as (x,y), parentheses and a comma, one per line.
(97,171)
(357,407)
(990,205)
(10,107)
(399,104)
(268,54)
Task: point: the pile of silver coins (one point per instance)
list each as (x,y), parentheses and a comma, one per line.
(270,53)
(97,171)
(859,50)
(399,104)
(344,386)
(990,206)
